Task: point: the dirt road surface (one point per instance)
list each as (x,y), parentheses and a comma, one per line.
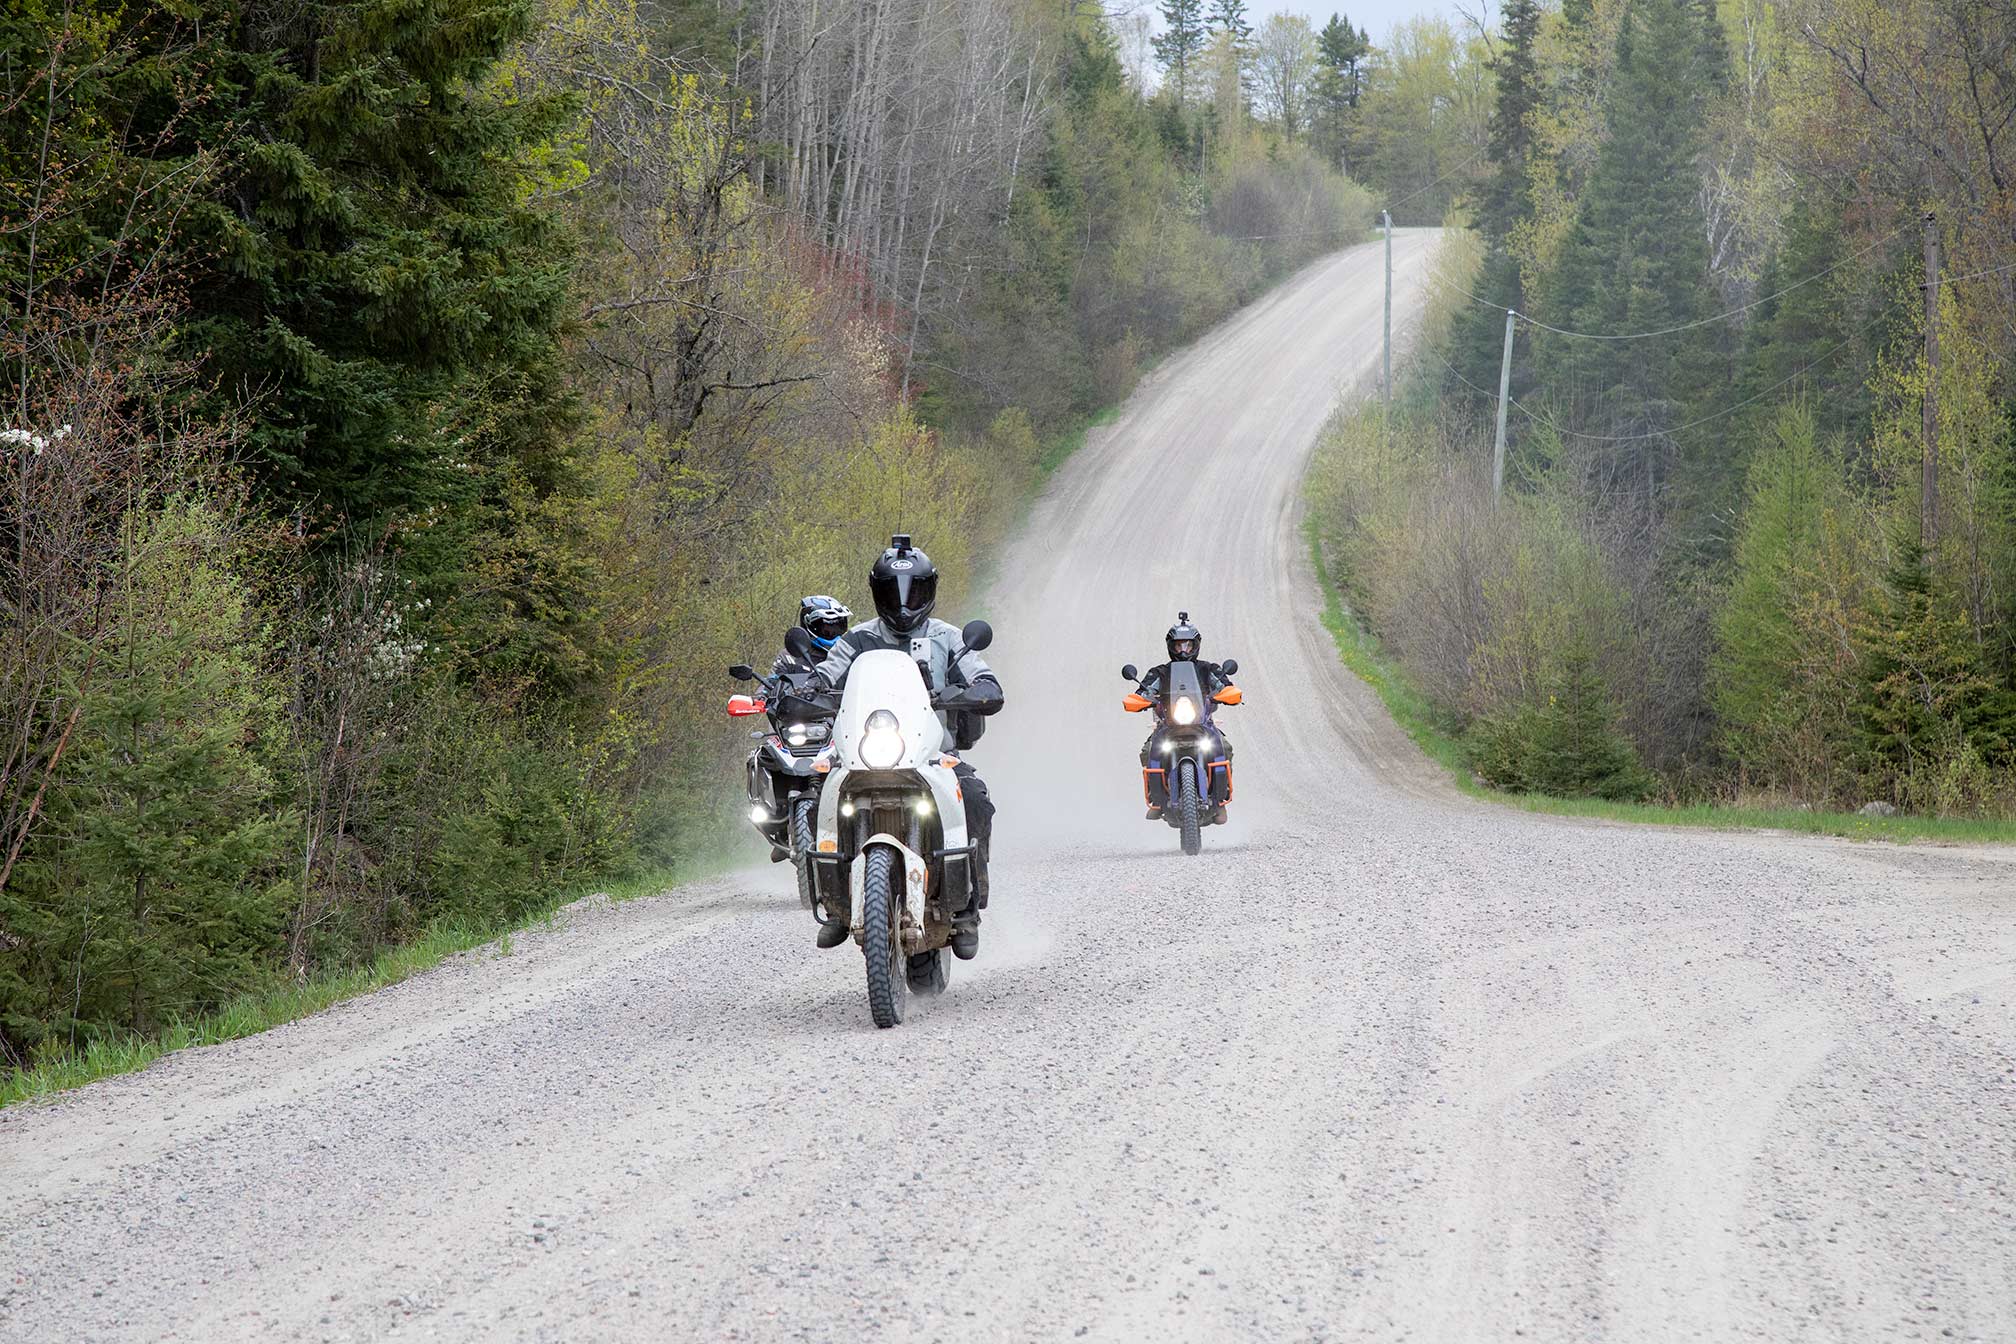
(1382,1063)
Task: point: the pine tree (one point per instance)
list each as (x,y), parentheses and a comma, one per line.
(1340,54)
(1508,195)
(1229,16)
(1932,712)
(1567,747)
(1180,42)
(1784,672)
(157,884)
(1637,260)
(1507,201)
(369,260)
(1790,344)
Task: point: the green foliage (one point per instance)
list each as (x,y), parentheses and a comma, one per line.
(1636,260)
(367,263)
(158,879)
(1180,42)
(1787,663)
(1937,726)
(1566,746)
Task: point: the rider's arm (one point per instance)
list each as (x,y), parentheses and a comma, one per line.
(983,694)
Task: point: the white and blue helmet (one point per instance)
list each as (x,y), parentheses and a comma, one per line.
(824,619)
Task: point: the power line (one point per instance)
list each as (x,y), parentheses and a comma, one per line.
(1740,309)
(1538,418)
(1973,275)
(1349,228)
(1462,167)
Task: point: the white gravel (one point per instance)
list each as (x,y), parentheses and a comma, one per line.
(1383,1063)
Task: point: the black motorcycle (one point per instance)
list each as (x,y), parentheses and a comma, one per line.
(783,783)
(1188,775)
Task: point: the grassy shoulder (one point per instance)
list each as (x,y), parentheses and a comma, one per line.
(1059,449)
(262,1011)
(1436,735)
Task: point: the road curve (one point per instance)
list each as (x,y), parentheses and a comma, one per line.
(1382,1063)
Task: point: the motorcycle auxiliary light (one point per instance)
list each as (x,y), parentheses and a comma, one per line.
(759,814)
(882,741)
(923,807)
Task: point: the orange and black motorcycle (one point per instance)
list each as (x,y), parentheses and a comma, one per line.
(1187,775)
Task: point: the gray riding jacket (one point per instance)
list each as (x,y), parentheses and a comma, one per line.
(932,646)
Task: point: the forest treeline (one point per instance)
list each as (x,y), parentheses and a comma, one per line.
(412,406)
(1757,535)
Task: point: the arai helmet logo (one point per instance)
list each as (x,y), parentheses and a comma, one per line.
(901,564)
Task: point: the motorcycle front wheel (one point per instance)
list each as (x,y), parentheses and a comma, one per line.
(881,935)
(804,839)
(1186,808)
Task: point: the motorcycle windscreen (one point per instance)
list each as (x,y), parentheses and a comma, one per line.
(1184,681)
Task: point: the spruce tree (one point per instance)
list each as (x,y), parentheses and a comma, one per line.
(1792,337)
(1507,196)
(1637,258)
(1506,202)
(157,885)
(369,260)
(1180,42)
(1229,16)
(1340,55)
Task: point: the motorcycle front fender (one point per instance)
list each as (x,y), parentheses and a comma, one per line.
(916,879)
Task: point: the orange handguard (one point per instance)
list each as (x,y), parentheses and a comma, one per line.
(1136,702)
(1231,695)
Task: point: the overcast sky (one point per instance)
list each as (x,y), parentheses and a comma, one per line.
(1376,17)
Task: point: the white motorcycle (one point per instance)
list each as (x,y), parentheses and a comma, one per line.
(892,848)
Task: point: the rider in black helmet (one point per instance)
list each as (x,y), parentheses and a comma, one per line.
(825,620)
(904,584)
(1184,643)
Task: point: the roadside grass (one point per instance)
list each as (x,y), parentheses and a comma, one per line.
(262,1010)
(1437,736)
(1059,449)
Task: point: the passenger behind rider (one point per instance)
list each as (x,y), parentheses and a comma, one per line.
(904,584)
(1184,643)
(825,620)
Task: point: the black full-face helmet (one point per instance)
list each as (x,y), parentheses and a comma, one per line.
(824,619)
(1183,641)
(904,583)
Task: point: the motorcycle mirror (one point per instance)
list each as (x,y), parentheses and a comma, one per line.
(742,672)
(976,636)
(799,642)
(1131,672)
(1231,665)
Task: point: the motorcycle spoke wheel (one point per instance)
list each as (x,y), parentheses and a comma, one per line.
(804,839)
(1187,809)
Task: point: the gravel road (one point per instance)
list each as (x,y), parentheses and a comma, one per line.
(1382,1063)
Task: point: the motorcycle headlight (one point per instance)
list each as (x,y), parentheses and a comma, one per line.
(1185,710)
(881,741)
(798,734)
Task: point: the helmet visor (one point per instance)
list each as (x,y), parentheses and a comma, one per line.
(1183,648)
(827,625)
(905,599)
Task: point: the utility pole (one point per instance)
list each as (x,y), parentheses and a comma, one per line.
(1387,215)
(1928,502)
(1504,396)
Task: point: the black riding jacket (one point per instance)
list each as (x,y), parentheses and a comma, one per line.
(1156,682)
